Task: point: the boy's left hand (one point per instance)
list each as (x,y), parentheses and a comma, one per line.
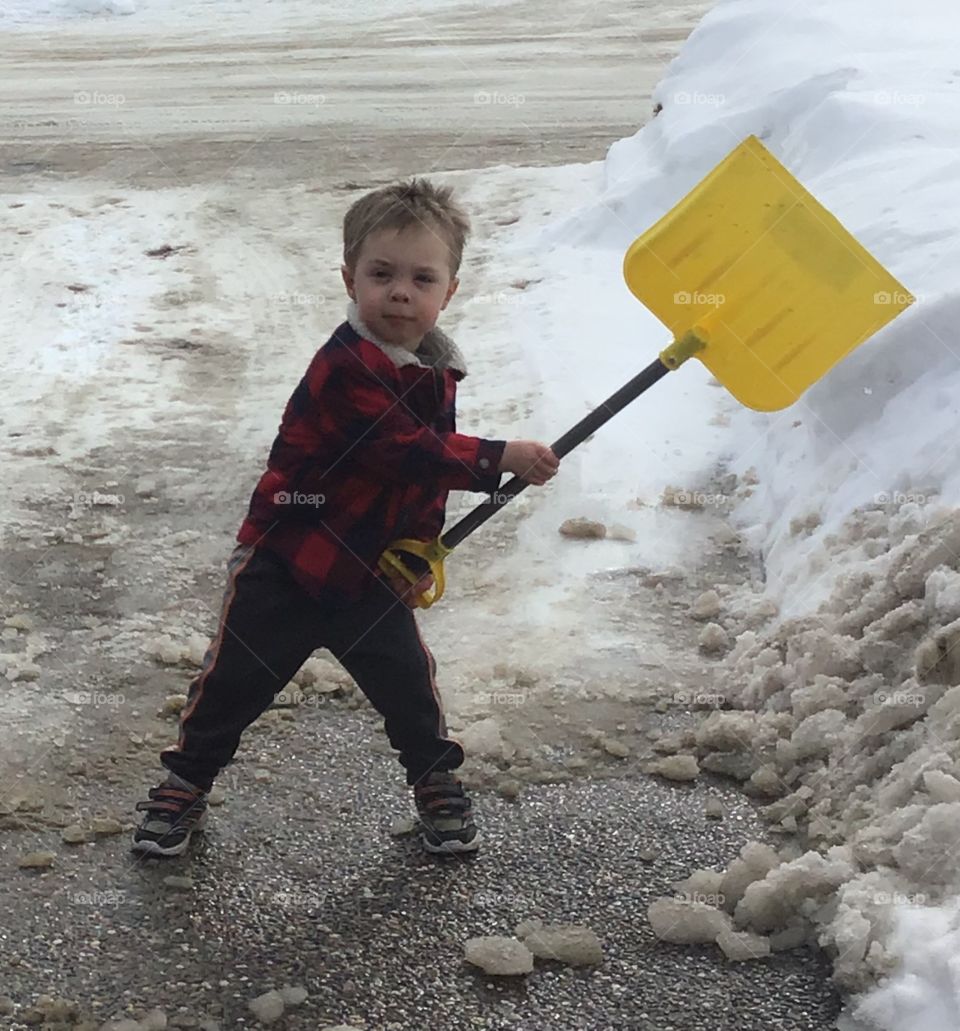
(408,592)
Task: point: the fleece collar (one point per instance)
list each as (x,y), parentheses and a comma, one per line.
(436,349)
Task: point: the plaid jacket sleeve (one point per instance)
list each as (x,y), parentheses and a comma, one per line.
(371,424)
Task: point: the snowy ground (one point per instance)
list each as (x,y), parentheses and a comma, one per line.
(147,390)
(152,385)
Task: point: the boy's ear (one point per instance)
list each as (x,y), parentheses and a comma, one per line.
(451,290)
(347,274)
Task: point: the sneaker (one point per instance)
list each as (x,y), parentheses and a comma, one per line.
(174,812)
(446,817)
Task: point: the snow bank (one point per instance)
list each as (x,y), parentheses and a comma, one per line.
(861,104)
(846,709)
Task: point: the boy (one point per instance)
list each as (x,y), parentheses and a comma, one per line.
(366,453)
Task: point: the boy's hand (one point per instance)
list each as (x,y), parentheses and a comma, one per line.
(536,463)
(408,592)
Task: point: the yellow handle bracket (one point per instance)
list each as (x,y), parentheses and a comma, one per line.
(434,552)
(679,351)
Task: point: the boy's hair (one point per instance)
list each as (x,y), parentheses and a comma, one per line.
(414,202)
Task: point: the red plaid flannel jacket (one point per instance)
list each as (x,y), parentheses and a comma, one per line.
(366,453)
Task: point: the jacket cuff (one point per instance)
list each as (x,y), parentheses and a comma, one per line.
(489,454)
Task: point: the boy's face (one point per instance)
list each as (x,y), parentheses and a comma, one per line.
(401,283)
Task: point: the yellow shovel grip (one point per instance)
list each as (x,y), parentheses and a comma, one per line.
(433,552)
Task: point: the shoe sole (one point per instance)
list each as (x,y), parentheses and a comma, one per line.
(154,848)
(449,847)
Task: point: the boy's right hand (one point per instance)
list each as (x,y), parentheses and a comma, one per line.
(533,462)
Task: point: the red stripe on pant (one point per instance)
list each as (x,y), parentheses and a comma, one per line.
(235,567)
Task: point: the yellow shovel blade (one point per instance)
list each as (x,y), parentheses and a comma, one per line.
(761,271)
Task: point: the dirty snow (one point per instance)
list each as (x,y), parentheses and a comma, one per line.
(851,728)
(842,680)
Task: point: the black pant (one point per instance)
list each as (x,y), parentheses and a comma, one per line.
(268,628)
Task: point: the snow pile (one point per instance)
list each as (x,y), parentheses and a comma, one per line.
(846,712)
(861,105)
(847,724)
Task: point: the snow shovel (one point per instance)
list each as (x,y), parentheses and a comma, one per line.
(752,276)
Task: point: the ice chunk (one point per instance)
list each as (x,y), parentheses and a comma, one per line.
(792,888)
(727,732)
(569,943)
(941,594)
(817,734)
(928,851)
(824,693)
(742,945)
(706,605)
(754,863)
(495,954)
(483,737)
(675,767)
(686,923)
(714,640)
(942,786)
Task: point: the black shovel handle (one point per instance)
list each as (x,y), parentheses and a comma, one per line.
(564,445)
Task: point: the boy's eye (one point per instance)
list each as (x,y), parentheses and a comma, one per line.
(423,278)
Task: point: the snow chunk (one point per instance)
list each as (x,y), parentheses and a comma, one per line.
(742,945)
(755,862)
(817,734)
(706,606)
(569,943)
(796,887)
(495,954)
(727,732)
(686,923)
(675,767)
(714,640)
(941,595)
(929,849)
